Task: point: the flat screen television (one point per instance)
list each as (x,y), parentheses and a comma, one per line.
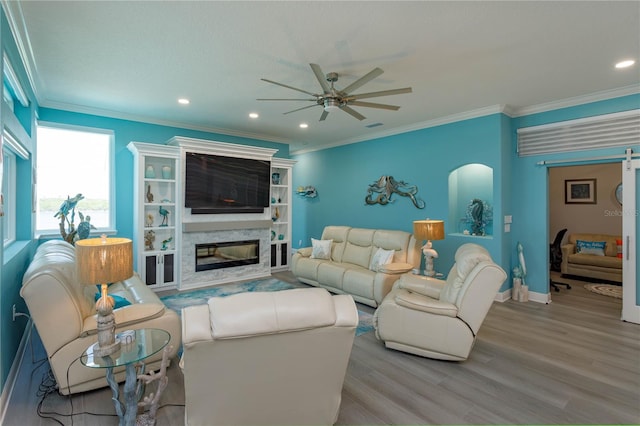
(216,184)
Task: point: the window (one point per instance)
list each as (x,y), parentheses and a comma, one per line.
(74,160)
(8,207)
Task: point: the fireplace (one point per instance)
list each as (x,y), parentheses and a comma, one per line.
(226,254)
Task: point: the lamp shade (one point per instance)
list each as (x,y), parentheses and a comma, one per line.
(428,229)
(103,260)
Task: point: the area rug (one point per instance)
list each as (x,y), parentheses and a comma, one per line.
(200,296)
(605,289)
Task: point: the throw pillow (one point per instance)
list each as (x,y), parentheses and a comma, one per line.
(380,257)
(321,249)
(119,300)
(590,247)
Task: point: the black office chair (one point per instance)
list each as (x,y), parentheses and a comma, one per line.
(555,256)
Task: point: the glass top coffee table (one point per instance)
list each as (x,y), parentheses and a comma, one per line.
(136,346)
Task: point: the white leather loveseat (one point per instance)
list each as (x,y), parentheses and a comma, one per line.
(267,358)
(63,312)
(348,267)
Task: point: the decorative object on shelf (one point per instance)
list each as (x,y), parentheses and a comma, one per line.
(478,216)
(149,195)
(276,214)
(165,216)
(386,186)
(84,227)
(165,243)
(166,172)
(307,191)
(273,235)
(149,172)
(428,230)
(273,200)
(275,178)
(618,193)
(100,261)
(148,220)
(67,214)
(149,238)
(281,237)
(580,191)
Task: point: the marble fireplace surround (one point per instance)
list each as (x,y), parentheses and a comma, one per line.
(218,228)
(217,232)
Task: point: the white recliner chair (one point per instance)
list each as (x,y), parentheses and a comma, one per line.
(267,358)
(436,318)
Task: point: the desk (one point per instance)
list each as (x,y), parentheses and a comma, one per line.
(146,342)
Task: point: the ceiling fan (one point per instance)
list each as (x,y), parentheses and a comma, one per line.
(333,99)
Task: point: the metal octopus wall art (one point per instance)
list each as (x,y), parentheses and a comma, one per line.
(386,186)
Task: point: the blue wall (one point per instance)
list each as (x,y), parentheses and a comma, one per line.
(126,131)
(424,158)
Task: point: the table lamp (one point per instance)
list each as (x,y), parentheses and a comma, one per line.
(428,230)
(101,261)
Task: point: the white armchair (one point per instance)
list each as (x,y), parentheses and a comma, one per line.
(440,319)
(267,358)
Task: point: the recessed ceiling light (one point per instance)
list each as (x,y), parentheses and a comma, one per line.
(625,64)
(303,125)
(183,101)
(253,115)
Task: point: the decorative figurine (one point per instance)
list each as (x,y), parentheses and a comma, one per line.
(165,243)
(164,213)
(149,194)
(477,210)
(84,227)
(149,238)
(67,207)
(148,221)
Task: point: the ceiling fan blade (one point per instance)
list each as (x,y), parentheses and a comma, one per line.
(362,80)
(353,112)
(279,99)
(376,94)
(374,105)
(288,87)
(323,116)
(322,79)
(299,109)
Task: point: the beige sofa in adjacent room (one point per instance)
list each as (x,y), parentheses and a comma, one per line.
(593,261)
(350,262)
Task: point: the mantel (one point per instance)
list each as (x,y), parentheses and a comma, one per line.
(225,226)
(222,148)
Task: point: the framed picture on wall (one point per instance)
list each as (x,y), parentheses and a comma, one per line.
(580,191)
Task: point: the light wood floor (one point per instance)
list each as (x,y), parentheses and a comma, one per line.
(571,361)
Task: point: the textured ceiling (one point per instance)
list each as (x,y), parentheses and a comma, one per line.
(135,59)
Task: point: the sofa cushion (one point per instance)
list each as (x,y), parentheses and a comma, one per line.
(339,236)
(611,247)
(321,249)
(590,247)
(357,255)
(380,257)
(595,260)
(359,282)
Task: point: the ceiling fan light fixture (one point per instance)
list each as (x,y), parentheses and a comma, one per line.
(331,105)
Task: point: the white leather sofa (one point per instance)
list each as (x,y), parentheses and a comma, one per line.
(63,312)
(275,358)
(347,271)
(436,318)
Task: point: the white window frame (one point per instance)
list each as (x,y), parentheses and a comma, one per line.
(9,196)
(111,228)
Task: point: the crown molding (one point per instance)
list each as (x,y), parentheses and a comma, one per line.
(168,123)
(577,100)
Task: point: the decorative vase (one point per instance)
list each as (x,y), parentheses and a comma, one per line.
(275,178)
(166,172)
(149,172)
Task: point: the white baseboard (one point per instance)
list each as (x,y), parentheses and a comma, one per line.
(9,385)
(533,297)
